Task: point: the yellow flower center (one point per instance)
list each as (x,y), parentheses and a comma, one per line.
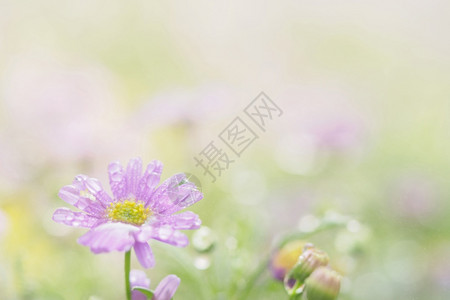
(128,211)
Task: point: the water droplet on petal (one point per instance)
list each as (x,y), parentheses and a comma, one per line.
(165,232)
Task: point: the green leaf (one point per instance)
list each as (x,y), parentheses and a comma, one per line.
(146,292)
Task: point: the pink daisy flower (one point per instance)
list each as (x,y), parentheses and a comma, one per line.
(137,212)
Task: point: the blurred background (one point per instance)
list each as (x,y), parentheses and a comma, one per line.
(364,137)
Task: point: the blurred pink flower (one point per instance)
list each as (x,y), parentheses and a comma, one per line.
(59,108)
(56,113)
(317,123)
(415,197)
(326,114)
(200,107)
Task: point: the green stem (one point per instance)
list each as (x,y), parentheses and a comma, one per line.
(294,294)
(127,274)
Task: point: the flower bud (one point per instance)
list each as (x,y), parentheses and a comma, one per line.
(323,284)
(284,259)
(310,260)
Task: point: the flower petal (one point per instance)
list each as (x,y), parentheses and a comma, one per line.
(116,179)
(167,288)
(149,181)
(86,194)
(144,254)
(164,234)
(109,237)
(124,184)
(184,220)
(138,279)
(132,176)
(95,188)
(174,194)
(71,195)
(72,218)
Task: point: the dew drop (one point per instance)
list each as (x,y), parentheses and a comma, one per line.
(202,262)
(203,239)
